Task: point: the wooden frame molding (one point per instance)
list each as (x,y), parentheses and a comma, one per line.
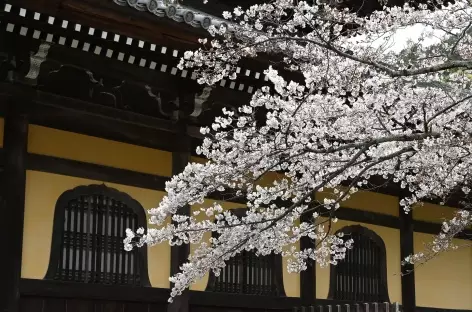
(87,190)
(377,240)
(406,249)
(60,289)
(179,254)
(12,204)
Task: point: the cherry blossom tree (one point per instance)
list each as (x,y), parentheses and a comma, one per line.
(361,104)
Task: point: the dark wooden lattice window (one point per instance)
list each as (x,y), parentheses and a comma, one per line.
(361,276)
(247,273)
(87,245)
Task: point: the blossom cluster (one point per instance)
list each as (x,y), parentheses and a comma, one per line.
(443,241)
(355,109)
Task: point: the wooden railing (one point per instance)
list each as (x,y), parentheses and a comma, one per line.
(352,307)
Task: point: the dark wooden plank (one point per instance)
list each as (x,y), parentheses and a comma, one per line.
(406,249)
(179,254)
(219,300)
(156,307)
(55,304)
(12,204)
(79,305)
(110,306)
(308,277)
(50,110)
(358,215)
(32,304)
(58,289)
(135,307)
(435,228)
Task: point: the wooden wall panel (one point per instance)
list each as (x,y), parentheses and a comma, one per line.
(51,304)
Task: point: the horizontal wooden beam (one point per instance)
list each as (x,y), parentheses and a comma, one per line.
(93,120)
(369,217)
(91,171)
(59,289)
(45,103)
(217,299)
(434,228)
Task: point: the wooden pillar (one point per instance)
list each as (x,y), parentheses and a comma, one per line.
(179,254)
(12,206)
(406,248)
(308,277)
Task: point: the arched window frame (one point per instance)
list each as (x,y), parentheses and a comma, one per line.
(276,267)
(91,190)
(358,229)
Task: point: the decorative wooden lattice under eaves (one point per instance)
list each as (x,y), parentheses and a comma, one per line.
(54,30)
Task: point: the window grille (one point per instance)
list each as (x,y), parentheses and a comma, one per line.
(361,276)
(89,228)
(247,273)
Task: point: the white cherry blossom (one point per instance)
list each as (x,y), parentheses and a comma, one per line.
(353,109)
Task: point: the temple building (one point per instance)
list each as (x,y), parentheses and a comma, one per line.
(96,117)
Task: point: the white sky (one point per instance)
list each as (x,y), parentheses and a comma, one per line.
(398,41)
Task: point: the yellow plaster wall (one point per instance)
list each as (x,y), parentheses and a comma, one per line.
(367,201)
(42,192)
(69,145)
(391,238)
(433,213)
(291,281)
(446,280)
(199,160)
